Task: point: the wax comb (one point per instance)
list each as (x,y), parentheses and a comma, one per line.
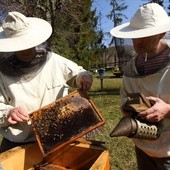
(65,120)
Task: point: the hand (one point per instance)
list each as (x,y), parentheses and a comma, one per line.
(157,112)
(17,114)
(84,82)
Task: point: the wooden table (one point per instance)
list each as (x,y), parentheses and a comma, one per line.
(102,78)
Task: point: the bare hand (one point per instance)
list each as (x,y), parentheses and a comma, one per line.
(157,112)
(17,114)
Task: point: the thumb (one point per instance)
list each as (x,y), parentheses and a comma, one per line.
(152,99)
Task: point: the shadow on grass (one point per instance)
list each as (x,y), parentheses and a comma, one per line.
(114,91)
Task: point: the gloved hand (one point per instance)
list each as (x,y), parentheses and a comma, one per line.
(84,80)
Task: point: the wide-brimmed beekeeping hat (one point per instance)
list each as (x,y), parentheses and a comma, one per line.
(150,19)
(19,32)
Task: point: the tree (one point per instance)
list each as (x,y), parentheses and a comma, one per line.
(78,31)
(117,17)
(74,26)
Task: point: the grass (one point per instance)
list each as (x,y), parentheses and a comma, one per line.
(121,149)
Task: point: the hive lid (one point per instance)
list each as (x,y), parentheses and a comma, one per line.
(65,120)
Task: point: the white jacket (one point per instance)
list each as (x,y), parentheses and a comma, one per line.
(157,85)
(32,94)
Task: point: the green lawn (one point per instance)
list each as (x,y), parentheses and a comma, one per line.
(121,149)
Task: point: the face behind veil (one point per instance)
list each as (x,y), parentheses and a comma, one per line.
(13,67)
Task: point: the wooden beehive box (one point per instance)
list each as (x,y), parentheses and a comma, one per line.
(75,156)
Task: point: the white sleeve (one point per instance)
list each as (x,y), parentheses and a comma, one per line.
(4,109)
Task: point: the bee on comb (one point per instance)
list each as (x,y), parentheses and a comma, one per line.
(65,120)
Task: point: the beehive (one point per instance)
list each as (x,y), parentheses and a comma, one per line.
(75,156)
(58,128)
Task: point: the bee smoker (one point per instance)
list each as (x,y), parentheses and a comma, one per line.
(133,128)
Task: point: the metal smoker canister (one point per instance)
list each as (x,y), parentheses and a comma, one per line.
(134,128)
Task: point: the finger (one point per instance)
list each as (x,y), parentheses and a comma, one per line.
(145,113)
(154,117)
(11,121)
(17,116)
(21,117)
(154,99)
(23,112)
(14,118)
